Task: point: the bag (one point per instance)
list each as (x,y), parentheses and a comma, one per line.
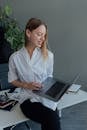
(20,126)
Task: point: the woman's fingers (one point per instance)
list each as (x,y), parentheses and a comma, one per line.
(36,85)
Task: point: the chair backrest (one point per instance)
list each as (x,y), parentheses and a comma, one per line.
(4,77)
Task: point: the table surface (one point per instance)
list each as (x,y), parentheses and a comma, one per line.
(8,118)
(69,99)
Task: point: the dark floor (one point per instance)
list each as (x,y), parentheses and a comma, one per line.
(75,117)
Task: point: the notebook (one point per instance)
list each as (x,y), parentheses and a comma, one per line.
(53,88)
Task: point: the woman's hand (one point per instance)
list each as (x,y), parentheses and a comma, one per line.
(30,85)
(33,85)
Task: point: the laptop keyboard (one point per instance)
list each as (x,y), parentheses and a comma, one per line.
(55,89)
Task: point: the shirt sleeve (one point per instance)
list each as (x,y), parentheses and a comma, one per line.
(12,73)
(50,64)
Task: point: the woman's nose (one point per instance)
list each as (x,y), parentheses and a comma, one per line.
(42,38)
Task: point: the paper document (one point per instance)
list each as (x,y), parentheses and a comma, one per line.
(74,88)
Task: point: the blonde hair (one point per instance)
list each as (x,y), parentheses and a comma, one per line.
(32,24)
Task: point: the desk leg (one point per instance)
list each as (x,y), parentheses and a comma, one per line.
(60,113)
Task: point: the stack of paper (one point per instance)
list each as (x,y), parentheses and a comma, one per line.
(74,88)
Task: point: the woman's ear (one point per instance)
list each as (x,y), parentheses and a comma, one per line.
(28,33)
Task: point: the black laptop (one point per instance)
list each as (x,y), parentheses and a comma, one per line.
(54,89)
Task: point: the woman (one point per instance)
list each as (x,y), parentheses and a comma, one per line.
(28,67)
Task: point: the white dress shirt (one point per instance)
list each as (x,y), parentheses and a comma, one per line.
(24,69)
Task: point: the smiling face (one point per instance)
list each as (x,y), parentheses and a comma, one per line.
(38,36)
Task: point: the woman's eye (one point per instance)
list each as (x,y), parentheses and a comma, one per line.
(39,34)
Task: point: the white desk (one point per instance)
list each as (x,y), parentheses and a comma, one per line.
(10,118)
(70,99)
